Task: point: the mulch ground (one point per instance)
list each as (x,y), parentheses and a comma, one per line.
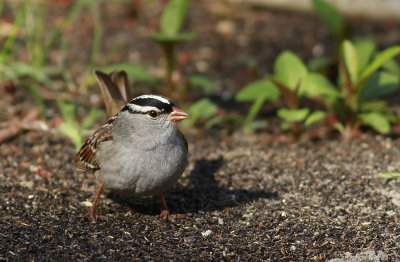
(242,199)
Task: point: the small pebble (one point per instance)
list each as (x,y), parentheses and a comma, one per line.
(206,233)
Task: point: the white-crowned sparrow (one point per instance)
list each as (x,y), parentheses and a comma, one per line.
(139,151)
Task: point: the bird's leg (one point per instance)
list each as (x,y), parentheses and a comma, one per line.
(92,211)
(164,215)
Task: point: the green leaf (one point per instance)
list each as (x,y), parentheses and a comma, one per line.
(253,112)
(389,175)
(205,83)
(135,72)
(72,132)
(392,66)
(25,70)
(351,61)
(12,35)
(339,127)
(377,121)
(202,109)
(319,63)
(92,117)
(164,38)
(378,61)
(332,18)
(314,117)
(261,88)
(173,16)
(286,126)
(37,96)
(289,70)
(257,125)
(380,84)
(317,85)
(224,118)
(67,111)
(379,106)
(295,115)
(365,49)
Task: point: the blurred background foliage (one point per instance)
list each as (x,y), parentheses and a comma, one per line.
(49,50)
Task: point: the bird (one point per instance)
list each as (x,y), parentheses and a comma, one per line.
(138,152)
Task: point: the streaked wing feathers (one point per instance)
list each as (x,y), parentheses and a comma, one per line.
(85,159)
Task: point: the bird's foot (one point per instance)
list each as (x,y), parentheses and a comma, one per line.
(93,216)
(166,216)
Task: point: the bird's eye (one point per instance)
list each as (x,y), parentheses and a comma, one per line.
(153,113)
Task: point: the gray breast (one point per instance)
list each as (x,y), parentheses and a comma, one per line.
(134,171)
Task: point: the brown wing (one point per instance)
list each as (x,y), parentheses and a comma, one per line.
(85,159)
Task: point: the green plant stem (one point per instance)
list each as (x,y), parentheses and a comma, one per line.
(9,43)
(37,53)
(253,112)
(98,32)
(37,96)
(168,50)
(186,88)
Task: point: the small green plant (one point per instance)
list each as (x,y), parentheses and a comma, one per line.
(207,85)
(361,85)
(202,109)
(294,81)
(332,18)
(206,111)
(74,129)
(338,28)
(28,75)
(257,92)
(291,81)
(169,35)
(354,100)
(36,73)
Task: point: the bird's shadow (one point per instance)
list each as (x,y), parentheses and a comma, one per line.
(199,191)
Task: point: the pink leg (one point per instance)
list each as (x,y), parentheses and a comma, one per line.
(164,215)
(92,211)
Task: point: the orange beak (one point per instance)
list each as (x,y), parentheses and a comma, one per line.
(177,115)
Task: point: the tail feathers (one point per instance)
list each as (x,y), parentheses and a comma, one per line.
(115,90)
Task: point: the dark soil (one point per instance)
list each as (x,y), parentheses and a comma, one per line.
(242,197)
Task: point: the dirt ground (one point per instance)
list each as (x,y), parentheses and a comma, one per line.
(243,197)
(240,199)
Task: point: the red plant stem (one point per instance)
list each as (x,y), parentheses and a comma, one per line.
(295,129)
(349,114)
(290,96)
(347,83)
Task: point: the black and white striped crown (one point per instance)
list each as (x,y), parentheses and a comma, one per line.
(145,103)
